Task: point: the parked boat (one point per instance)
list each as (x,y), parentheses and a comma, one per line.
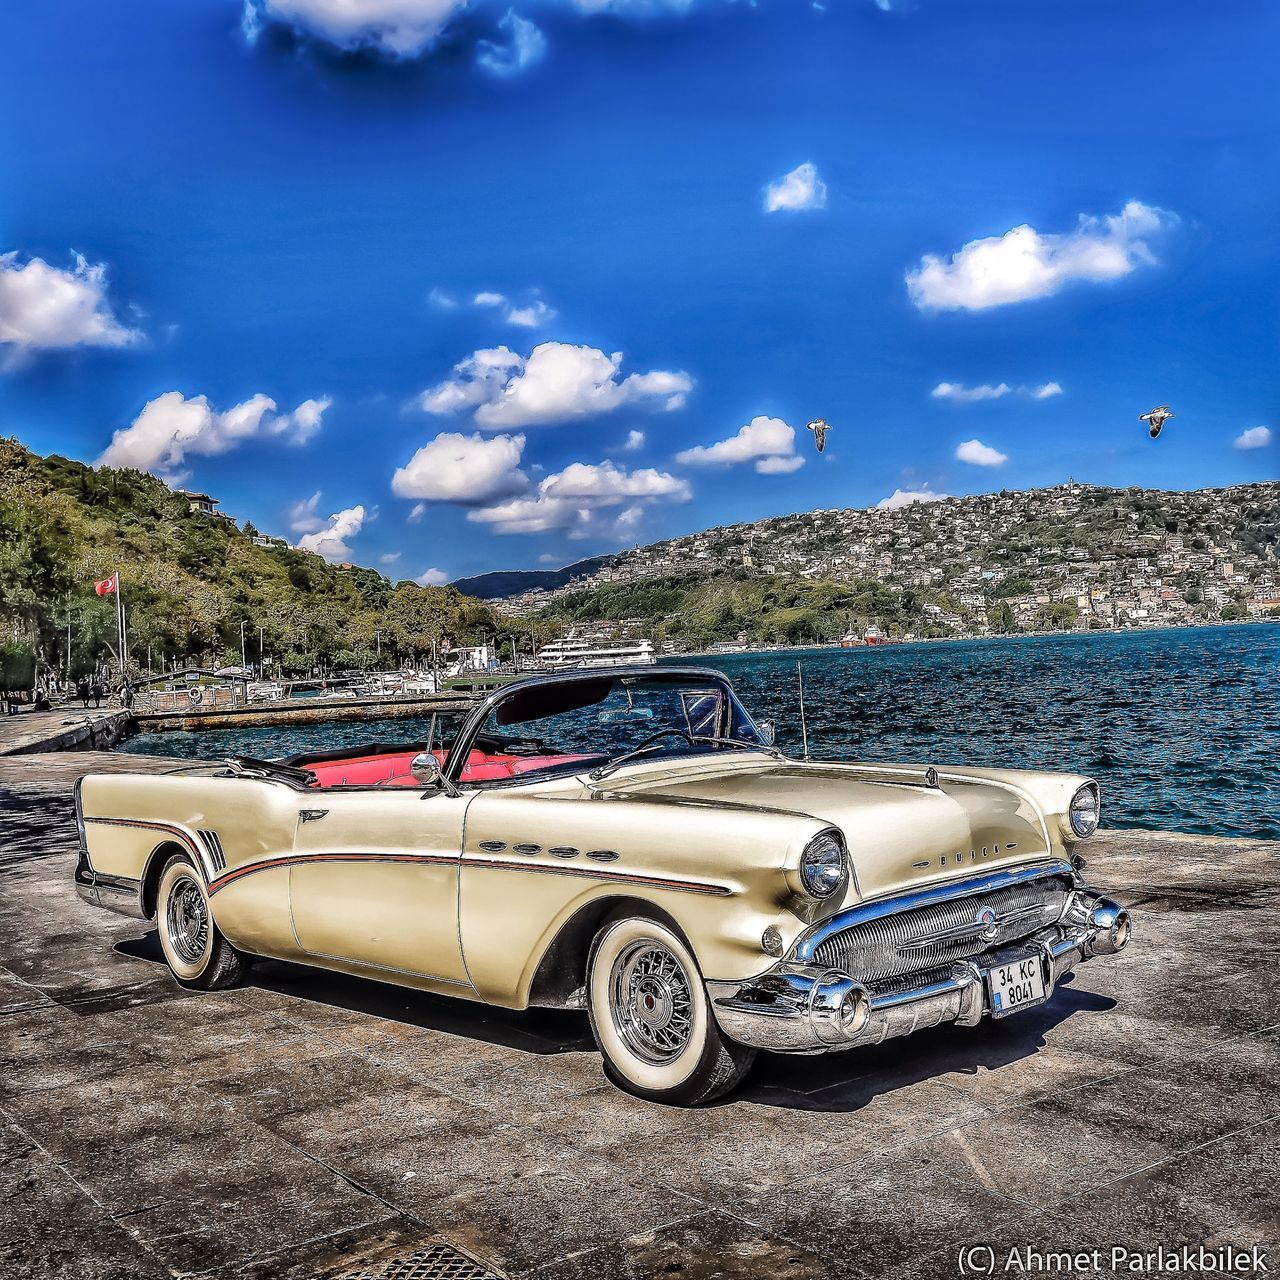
(579,651)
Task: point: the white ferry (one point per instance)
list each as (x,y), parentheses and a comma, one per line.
(578,651)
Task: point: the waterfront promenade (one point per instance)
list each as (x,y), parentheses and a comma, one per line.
(308,1125)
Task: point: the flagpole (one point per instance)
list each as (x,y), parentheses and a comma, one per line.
(120,626)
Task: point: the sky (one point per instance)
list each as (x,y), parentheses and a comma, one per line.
(444,288)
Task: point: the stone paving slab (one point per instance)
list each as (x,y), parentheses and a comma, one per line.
(306,1123)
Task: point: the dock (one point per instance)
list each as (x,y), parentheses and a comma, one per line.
(70,728)
(308,1126)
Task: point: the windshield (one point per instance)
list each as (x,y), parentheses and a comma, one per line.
(590,722)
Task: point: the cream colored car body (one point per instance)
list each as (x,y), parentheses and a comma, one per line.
(489,894)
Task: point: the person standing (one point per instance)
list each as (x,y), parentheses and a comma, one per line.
(82,691)
(97,692)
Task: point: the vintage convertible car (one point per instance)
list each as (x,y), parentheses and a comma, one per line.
(627,841)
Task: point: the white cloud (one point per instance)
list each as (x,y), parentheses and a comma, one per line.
(968,395)
(390,558)
(432,578)
(419,510)
(769,442)
(557,383)
(1025,263)
(525,44)
(443,299)
(401,29)
(980,455)
(570,501)
(906,497)
(960,394)
(606,483)
(304,516)
(471,470)
(171,427)
(799,189)
(44,308)
(1253,438)
(396,28)
(528,315)
(330,540)
(477,379)
(635,440)
(302,423)
(779,466)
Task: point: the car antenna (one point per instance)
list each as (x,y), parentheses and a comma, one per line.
(804,730)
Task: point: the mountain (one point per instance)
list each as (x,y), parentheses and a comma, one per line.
(511,582)
(193,582)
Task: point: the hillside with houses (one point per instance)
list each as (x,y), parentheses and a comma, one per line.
(1073,556)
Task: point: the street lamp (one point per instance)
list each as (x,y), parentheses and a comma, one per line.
(243,660)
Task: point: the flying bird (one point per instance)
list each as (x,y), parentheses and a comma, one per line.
(1156,418)
(819,427)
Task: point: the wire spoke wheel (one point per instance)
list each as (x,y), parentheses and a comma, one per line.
(186,920)
(651,1002)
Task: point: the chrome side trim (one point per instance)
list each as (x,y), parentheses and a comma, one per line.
(805,947)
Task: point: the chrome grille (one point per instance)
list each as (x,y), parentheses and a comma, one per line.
(942,932)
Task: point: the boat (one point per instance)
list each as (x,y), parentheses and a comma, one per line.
(580,651)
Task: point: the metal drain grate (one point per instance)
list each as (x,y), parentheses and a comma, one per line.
(432,1262)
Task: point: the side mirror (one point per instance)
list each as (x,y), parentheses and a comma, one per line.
(768,732)
(426,768)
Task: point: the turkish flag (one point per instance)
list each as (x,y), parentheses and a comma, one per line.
(108,586)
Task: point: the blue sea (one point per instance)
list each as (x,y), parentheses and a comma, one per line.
(1181,727)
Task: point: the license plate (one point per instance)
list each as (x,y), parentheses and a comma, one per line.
(1015,985)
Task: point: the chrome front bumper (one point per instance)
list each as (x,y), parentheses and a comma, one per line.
(799,1008)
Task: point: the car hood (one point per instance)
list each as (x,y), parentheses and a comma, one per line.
(901,830)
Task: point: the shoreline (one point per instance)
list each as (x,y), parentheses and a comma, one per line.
(837,647)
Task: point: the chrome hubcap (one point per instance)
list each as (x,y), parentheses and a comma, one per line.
(187,920)
(651,1002)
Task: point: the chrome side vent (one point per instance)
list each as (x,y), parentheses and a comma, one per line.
(563,851)
(493,846)
(602,855)
(527,848)
(214,846)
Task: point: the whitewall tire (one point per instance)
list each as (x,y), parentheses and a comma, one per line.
(198,954)
(652,1019)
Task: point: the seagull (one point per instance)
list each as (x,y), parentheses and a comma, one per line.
(819,428)
(1156,418)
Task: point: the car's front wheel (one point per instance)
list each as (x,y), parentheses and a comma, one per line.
(652,1019)
(198,954)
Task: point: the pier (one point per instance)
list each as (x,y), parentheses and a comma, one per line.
(307,1125)
(70,728)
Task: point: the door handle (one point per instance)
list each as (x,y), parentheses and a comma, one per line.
(311,815)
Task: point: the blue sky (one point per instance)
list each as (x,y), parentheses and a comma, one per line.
(495,283)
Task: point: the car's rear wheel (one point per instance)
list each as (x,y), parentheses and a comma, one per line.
(198,954)
(652,1019)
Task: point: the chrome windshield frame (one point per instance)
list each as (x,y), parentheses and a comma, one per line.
(474,722)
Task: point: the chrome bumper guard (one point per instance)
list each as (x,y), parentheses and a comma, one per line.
(798,1008)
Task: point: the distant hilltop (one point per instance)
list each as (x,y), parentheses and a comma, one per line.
(1068,557)
(512,582)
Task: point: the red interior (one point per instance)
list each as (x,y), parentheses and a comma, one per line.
(393,770)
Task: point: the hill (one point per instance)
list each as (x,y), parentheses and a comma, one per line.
(190,580)
(1071,556)
(510,582)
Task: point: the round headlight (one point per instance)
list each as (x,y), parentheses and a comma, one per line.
(1084,811)
(822,865)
